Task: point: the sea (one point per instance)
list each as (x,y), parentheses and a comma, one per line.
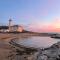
(37,41)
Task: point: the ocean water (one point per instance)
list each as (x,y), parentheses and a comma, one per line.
(37,42)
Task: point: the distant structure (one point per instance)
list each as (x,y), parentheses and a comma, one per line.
(10,22)
(11,28)
(4,29)
(16,28)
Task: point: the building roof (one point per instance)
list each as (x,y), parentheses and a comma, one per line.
(16,26)
(4,27)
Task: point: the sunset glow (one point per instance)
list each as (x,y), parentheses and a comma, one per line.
(51,27)
(38,15)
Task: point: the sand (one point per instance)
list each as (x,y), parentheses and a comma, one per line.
(8,51)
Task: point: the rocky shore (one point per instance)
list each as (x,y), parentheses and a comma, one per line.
(51,53)
(22,52)
(16,52)
(9,50)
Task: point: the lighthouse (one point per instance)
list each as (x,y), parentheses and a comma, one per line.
(14,28)
(10,24)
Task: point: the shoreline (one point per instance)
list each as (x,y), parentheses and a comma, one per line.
(14,51)
(38,54)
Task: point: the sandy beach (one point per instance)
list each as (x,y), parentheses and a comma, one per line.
(12,51)
(8,51)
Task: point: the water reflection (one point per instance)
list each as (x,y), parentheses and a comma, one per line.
(37,42)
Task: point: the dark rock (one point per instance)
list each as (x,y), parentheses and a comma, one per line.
(51,53)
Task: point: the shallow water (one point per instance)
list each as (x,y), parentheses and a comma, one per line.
(37,42)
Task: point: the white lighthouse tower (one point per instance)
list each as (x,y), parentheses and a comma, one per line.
(10,24)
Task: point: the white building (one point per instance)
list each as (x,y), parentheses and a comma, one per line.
(16,28)
(11,28)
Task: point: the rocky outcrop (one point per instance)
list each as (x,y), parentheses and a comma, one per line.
(51,53)
(23,53)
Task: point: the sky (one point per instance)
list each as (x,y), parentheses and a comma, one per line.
(34,15)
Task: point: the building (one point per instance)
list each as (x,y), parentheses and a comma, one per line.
(11,28)
(16,28)
(4,29)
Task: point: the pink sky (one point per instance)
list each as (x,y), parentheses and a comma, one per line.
(45,27)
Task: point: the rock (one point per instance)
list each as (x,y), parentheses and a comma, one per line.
(51,53)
